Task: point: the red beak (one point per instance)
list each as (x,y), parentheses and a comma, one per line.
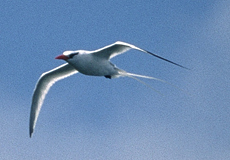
(62,57)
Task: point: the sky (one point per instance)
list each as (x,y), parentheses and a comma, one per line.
(85,117)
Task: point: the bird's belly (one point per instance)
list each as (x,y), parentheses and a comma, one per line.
(95,68)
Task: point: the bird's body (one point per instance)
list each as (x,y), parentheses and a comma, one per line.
(90,64)
(93,63)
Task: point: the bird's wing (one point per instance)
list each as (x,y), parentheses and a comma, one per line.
(112,50)
(119,47)
(43,85)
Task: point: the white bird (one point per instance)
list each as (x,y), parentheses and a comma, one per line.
(93,63)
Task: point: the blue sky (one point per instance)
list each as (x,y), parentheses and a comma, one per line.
(96,118)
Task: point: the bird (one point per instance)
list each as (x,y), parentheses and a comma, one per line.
(92,63)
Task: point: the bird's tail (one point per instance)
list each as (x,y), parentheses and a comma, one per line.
(134,76)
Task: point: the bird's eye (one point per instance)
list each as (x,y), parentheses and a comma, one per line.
(72,55)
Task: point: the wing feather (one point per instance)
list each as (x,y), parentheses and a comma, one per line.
(43,85)
(112,50)
(119,47)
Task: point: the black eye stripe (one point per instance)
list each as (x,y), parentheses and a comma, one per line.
(72,55)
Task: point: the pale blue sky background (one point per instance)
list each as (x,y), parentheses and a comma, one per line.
(96,118)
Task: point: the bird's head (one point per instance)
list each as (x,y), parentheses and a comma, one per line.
(67,55)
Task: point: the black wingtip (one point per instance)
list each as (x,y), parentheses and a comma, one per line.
(30,133)
(167,60)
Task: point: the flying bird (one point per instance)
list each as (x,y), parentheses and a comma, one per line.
(93,63)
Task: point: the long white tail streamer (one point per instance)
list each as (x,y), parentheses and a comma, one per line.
(133,76)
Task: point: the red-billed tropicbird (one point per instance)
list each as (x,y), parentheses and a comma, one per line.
(93,63)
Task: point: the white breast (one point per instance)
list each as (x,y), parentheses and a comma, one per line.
(89,64)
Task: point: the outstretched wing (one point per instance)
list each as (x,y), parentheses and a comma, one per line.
(112,50)
(43,85)
(119,47)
